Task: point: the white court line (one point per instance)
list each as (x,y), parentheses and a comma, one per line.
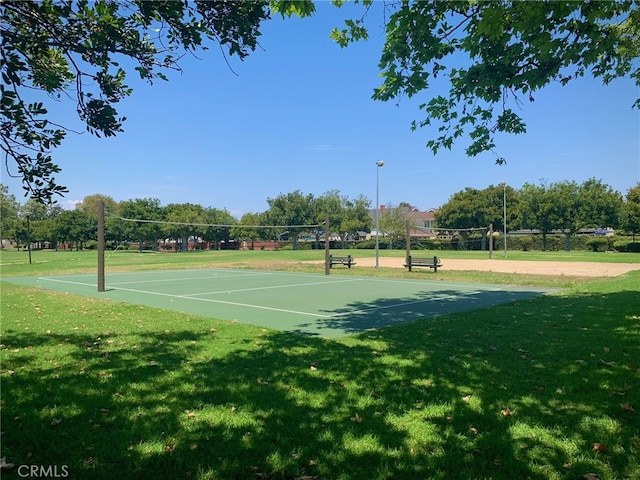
(384,307)
(260,307)
(189,295)
(68,281)
(217,277)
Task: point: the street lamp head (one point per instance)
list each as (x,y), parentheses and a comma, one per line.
(379,163)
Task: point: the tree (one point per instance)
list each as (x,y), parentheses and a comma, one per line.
(75,226)
(631,211)
(8,214)
(186,220)
(495,55)
(78,49)
(220,232)
(35,210)
(90,203)
(292,209)
(588,205)
(535,210)
(569,207)
(356,216)
(249,228)
(138,222)
(393,222)
(600,205)
(330,203)
(472,208)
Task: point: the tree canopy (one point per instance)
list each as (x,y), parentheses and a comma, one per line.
(569,207)
(492,55)
(631,212)
(496,55)
(78,49)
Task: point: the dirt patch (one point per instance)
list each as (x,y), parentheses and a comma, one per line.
(579,269)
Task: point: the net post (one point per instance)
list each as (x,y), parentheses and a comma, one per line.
(327,264)
(101,245)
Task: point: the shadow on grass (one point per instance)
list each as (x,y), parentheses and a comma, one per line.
(522,390)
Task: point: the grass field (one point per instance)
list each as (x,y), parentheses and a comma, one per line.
(546,388)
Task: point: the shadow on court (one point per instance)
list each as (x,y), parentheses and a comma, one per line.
(359,316)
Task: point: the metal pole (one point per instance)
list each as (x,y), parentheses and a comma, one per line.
(327,246)
(29,236)
(504,216)
(101,246)
(379,163)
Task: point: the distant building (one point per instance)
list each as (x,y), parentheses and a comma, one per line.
(421,223)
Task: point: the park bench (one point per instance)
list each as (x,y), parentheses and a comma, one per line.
(433,263)
(334,260)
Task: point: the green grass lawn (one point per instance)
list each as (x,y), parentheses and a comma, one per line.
(547,388)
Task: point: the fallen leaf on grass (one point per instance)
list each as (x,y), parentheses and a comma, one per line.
(591,476)
(55,422)
(600,447)
(627,407)
(357,418)
(466,398)
(505,412)
(153,363)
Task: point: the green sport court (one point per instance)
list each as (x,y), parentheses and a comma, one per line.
(311,304)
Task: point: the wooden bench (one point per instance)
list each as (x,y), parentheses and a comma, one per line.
(348,261)
(433,262)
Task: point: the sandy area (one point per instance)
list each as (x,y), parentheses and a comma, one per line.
(582,269)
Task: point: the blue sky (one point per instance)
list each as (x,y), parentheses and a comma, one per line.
(297,114)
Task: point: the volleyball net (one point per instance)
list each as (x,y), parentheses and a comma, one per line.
(119,233)
(166,235)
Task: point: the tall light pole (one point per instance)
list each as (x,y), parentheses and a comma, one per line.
(504,216)
(379,163)
(28,215)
